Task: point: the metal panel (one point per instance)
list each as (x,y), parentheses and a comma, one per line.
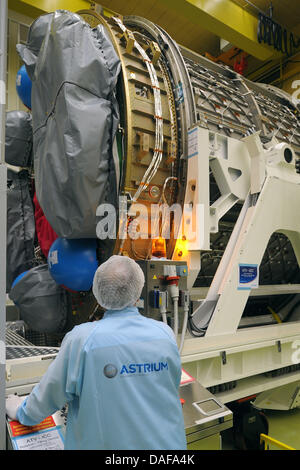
(203,414)
(248,353)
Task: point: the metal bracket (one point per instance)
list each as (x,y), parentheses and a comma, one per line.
(224,358)
(129,40)
(156,52)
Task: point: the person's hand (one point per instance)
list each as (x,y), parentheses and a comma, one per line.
(12,404)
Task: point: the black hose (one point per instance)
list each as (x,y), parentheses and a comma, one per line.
(198,332)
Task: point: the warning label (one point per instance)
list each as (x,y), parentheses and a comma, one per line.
(18,429)
(45,440)
(186,378)
(248,276)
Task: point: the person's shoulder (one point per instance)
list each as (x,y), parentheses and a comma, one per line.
(165,329)
(80,333)
(84,328)
(95,334)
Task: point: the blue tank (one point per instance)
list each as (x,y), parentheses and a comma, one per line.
(73,262)
(18,278)
(23,86)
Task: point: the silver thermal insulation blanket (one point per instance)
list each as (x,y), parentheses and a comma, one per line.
(18,138)
(42,303)
(20,226)
(74,71)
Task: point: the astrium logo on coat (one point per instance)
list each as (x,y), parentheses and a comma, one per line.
(110,370)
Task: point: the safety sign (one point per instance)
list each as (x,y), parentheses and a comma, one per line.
(47,435)
(50,439)
(186,378)
(248,276)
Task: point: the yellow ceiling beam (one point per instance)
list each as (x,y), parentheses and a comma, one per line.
(35,8)
(226,19)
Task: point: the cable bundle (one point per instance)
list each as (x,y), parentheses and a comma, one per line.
(159,138)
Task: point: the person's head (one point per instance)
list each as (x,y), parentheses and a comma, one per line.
(118,283)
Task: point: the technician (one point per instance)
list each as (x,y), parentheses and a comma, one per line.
(119,375)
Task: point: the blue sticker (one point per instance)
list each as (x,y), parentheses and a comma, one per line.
(180,95)
(248,276)
(48,439)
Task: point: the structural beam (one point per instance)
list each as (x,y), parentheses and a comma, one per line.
(35,8)
(226,19)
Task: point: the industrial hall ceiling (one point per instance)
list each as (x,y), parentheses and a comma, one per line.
(200,25)
(174,16)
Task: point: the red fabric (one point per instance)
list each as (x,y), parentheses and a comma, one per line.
(240,65)
(45,233)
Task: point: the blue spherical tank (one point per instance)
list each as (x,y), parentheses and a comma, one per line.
(72,263)
(23,86)
(18,278)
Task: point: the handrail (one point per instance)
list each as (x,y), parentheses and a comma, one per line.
(270,440)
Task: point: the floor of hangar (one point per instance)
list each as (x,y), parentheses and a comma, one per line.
(284,426)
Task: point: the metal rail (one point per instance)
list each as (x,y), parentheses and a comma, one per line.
(267,440)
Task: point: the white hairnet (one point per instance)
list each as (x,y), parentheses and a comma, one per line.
(118,283)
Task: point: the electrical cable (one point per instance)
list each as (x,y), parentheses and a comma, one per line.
(159,139)
(184,328)
(163,300)
(164,317)
(186,305)
(194,330)
(253,6)
(176,319)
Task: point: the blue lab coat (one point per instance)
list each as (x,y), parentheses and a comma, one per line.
(120,378)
